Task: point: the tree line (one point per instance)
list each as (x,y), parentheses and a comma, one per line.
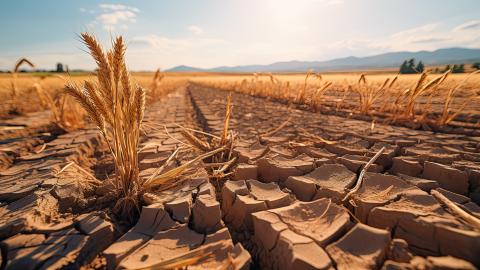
(410,67)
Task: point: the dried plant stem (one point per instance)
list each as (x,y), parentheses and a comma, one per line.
(362,174)
(277,129)
(456,209)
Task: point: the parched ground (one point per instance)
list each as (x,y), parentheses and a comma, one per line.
(281,209)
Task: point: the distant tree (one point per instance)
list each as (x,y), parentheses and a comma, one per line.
(458,68)
(408,67)
(420,67)
(411,64)
(476,65)
(60,68)
(404,68)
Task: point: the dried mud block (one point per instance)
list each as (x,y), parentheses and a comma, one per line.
(22,241)
(37,211)
(429,153)
(448,178)
(278,168)
(92,138)
(398,251)
(332,181)
(423,184)
(437,263)
(406,165)
(163,246)
(449,263)
(180,208)
(70,189)
(283,151)
(64,249)
(230,190)
(474,178)
(53,253)
(351,251)
(252,153)
(153,219)
(320,220)
(355,163)
(18,186)
(295,251)
(472,169)
(270,193)
(221,235)
(153,160)
(418,218)
(245,172)
(316,152)
(206,214)
(227,256)
(342,150)
(302,186)
(462,243)
(386,158)
(239,216)
(27,177)
(292,237)
(377,190)
(207,188)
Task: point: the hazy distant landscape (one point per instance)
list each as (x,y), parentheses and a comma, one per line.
(386,60)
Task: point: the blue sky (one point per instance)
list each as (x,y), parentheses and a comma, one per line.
(208,33)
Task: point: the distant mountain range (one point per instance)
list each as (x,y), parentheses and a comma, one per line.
(386,60)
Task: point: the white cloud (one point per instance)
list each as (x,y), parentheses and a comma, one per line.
(118,7)
(85,10)
(110,20)
(115,16)
(429,37)
(196,30)
(470,25)
(420,30)
(426,37)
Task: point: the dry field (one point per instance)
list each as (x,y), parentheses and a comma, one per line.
(430,101)
(251,171)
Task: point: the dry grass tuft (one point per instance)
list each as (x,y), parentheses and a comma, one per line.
(66,114)
(448,113)
(13,87)
(155,88)
(116,106)
(369,93)
(218,165)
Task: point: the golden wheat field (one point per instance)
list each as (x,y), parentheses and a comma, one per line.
(352,144)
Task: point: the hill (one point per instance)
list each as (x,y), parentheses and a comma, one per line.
(386,60)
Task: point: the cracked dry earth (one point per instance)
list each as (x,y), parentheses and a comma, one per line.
(281,208)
